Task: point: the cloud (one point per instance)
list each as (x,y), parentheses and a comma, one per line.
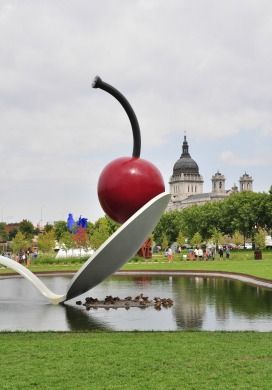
(204,67)
(230,158)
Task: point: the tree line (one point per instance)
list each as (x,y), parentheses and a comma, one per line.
(242,216)
(24,236)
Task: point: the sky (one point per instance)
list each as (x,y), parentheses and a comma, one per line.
(200,67)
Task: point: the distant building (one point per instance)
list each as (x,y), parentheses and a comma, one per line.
(246,182)
(186,183)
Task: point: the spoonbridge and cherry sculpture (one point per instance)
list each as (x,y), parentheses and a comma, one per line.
(131,191)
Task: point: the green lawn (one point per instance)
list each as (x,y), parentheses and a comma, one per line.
(46,267)
(137,360)
(240,261)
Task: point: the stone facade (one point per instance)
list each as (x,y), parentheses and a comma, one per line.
(186,183)
(246,182)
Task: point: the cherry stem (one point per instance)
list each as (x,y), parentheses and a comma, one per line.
(99,83)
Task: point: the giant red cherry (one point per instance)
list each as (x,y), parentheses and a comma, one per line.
(127,183)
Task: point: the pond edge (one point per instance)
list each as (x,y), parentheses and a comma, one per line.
(249,279)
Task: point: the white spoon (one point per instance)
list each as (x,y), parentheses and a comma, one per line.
(54,298)
(115,252)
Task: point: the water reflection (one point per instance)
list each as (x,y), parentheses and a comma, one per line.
(199,303)
(80,319)
(189,308)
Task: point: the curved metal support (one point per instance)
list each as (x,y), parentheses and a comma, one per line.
(44,290)
(99,83)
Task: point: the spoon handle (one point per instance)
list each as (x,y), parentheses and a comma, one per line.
(32,278)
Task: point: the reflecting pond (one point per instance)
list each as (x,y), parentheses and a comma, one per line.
(202,303)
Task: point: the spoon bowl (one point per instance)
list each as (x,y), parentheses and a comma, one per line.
(115,252)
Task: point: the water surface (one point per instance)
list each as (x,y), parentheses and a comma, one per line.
(200,303)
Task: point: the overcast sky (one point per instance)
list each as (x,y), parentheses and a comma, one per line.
(203,67)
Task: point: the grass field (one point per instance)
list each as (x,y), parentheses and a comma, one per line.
(240,262)
(138,360)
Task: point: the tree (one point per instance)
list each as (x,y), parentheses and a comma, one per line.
(240,212)
(100,233)
(27,228)
(19,243)
(90,228)
(226,239)
(170,223)
(164,242)
(196,239)
(12,233)
(217,237)
(60,227)
(190,220)
(112,226)
(204,219)
(181,239)
(81,238)
(48,227)
(66,241)
(3,232)
(46,241)
(260,238)
(237,238)
(264,211)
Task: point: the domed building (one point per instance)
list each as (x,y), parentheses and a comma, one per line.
(186,180)
(186,183)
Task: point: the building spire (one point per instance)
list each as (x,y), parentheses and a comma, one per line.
(185,147)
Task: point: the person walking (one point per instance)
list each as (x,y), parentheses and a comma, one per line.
(170,255)
(24,258)
(28,258)
(227,252)
(200,254)
(196,252)
(212,252)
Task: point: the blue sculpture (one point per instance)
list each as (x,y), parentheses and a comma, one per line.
(72,225)
(82,222)
(70,222)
